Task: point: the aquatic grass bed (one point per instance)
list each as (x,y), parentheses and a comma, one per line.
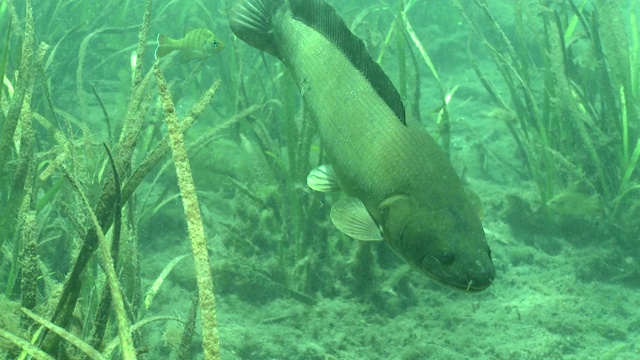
(68,223)
(74,152)
(572,101)
(253,145)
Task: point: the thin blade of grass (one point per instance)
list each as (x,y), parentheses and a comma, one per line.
(26,346)
(153,290)
(72,339)
(4,56)
(126,341)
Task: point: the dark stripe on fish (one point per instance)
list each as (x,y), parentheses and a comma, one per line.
(324,19)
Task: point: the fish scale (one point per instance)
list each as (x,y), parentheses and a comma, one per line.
(342,109)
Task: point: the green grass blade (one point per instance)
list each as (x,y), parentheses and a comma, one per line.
(633,61)
(624,188)
(625,129)
(4,56)
(71,338)
(28,347)
(421,49)
(572,24)
(153,290)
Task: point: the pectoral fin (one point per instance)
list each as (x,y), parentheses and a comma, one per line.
(323,179)
(351,217)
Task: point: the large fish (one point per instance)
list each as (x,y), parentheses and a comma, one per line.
(401,187)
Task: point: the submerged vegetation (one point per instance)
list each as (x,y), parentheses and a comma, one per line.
(67,191)
(94,243)
(86,186)
(572,107)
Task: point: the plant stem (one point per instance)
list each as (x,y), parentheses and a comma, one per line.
(210,341)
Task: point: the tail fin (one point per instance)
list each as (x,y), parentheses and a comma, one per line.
(165,46)
(252,21)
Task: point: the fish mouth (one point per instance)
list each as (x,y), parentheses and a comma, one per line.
(454,279)
(474,286)
(469,286)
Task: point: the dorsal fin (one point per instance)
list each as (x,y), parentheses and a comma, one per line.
(324,19)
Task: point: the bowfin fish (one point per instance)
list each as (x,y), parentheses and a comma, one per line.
(400,186)
(196,44)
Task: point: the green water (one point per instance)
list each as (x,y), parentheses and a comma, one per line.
(563,118)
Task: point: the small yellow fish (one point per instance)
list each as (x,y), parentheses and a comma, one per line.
(196,44)
(574,203)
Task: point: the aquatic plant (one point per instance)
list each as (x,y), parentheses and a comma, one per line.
(572,78)
(56,187)
(86,180)
(206,297)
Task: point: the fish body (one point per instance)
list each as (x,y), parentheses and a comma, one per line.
(401,186)
(574,204)
(196,44)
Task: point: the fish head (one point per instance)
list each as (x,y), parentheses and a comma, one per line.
(211,45)
(446,247)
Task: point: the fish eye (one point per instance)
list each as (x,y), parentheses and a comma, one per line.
(214,43)
(446,258)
